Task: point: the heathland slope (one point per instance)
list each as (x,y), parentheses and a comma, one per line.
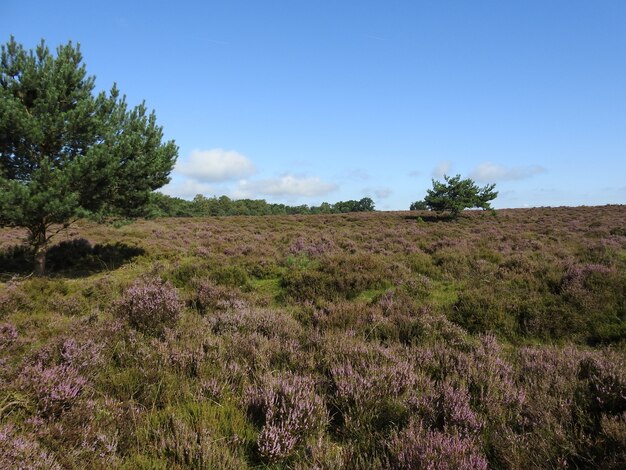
(371,340)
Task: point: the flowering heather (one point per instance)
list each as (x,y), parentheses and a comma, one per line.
(455,412)
(375,341)
(363,383)
(210,296)
(8,334)
(311,248)
(606,379)
(22,452)
(289,409)
(150,305)
(248,320)
(12,298)
(82,355)
(418,448)
(54,388)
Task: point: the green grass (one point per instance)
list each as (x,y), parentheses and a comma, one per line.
(444,293)
(268,289)
(369,295)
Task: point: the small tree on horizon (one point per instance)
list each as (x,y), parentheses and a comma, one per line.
(418,206)
(67,153)
(457,194)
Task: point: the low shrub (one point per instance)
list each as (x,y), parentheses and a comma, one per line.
(481,310)
(150,306)
(8,334)
(55,388)
(210,296)
(289,410)
(231,276)
(417,447)
(23,452)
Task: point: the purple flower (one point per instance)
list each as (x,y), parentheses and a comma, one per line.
(8,334)
(55,388)
(150,306)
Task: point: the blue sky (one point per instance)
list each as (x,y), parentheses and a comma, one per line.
(308,101)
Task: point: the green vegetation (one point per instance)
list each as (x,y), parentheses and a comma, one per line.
(328,341)
(418,206)
(457,194)
(67,153)
(161,205)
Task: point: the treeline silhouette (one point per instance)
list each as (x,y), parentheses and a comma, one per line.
(162,205)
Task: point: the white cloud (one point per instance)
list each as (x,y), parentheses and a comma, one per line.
(490,172)
(443,168)
(287,185)
(187,189)
(216,165)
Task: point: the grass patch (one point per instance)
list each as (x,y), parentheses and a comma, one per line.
(268,289)
(199,435)
(444,293)
(369,295)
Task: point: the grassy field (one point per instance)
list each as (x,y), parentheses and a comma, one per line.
(372,340)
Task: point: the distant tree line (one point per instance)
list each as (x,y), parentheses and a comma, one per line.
(161,205)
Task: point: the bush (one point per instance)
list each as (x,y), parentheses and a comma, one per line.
(289,410)
(482,310)
(232,276)
(210,296)
(55,388)
(23,452)
(150,306)
(416,447)
(8,334)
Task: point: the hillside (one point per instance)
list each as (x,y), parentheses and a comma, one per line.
(365,340)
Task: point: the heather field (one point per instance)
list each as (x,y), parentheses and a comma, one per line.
(359,341)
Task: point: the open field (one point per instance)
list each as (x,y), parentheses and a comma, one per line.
(370,340)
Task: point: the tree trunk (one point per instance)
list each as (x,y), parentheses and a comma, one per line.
(40,260)
(39,242)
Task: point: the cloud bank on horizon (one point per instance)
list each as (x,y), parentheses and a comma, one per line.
(227,172)
(217,171)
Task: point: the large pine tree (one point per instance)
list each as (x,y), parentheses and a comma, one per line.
(67,152)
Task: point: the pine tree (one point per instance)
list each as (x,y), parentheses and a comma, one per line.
(66,152)
(457,194)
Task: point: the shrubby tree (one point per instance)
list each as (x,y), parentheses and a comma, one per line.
(67,152)
(418,206)
(365,204)
(457,194)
